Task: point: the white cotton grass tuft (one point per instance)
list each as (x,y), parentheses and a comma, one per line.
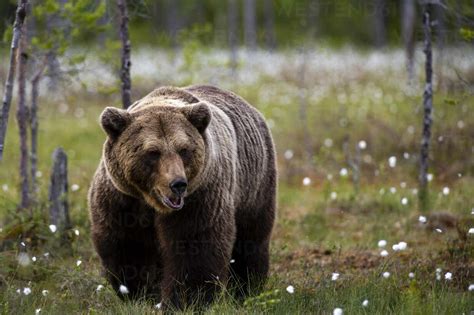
(99,287)
(26,291)
(471,231)
(386,274)
(439,230)
(333,195)
(23,259)
(448,276)
(328,142)
(334,276)
(290,289)
(5,187)
(306,181)
(76,231)
(384,253)
(393,190)
(158,306)
(470,287)
(75,187)
(343,172)
(392,161)
(446,191)
(123,289)
(38,310)
(33,258)
(382,243)
(411,275)
(429,177)
(422,219)
(78,262)
(400,246)
(337,311)
(365,303)
(404,201)
(288,154)
(53,228)
(362,145)
(45,292)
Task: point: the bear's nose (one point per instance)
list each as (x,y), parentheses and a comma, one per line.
(178,186)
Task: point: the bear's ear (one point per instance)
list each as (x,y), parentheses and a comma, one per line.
(114,121)
(199,115)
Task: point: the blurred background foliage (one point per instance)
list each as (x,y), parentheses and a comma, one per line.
(279,23)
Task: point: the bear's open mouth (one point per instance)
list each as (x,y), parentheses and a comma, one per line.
(174,203)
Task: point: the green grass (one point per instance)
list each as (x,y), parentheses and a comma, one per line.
(315,235)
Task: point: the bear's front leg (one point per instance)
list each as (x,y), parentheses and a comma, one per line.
(195,267)
(123,233)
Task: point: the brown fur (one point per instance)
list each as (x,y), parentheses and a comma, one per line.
(221,147)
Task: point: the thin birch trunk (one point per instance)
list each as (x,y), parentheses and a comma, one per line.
(303,110)
(428,108)
(440,29)
(408,34)
(22,119)
(269,25)
(126,50)
(379,23)
(172,22)
(34,128)
(250,24)
(232,12)
(7,97)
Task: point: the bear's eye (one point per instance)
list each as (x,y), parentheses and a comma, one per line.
(185,154)
(153,155)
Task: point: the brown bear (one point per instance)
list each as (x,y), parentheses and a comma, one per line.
(183,199)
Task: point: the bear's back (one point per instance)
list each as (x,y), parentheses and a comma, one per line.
(256,168)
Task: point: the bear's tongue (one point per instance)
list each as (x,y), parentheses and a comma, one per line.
(176,201)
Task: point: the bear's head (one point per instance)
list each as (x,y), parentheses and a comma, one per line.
(156,152)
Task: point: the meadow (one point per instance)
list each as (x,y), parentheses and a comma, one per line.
(349,233)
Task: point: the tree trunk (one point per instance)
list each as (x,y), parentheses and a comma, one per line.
(56,22)
(59,207)
(22,119)
(440,27)
(408,34)
(250,24)
(126,50)
(269,24)
(34,128)
(428,107)
(313,17)
(233,35)
(380,36)
(303,110)
(172,22)
(102,22)
(7,97)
